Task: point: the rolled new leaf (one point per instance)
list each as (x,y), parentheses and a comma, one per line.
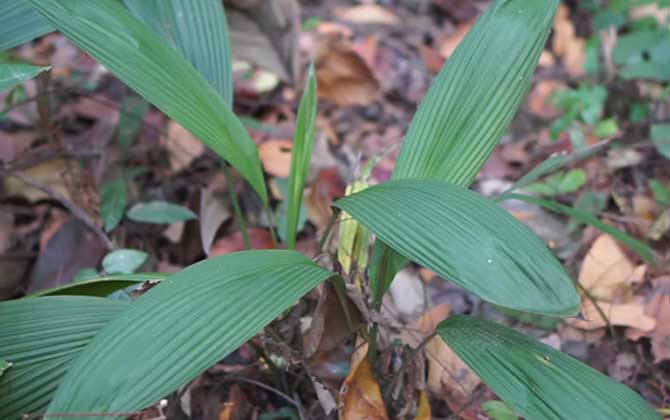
(41,337)
(198,30)
(538,382)
(182,326)
(468,240)
(137,55)
(301,155)
(477,93)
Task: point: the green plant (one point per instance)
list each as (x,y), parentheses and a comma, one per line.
(84,354)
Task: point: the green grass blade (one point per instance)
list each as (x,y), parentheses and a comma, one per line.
(198,30)
(19,23)
(537,381)
(466,239)
(136,55)
(182,326)
(477,93)
(301,155)
(41,337)
(13,74)
(639,247)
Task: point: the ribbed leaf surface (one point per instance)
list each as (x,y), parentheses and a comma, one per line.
(13,74)
(540,383)
(19,23)
(181,327)
(41,337)
(301,155)
(102,286)
(466,239)
(198,30)
(137,55)
(475,96)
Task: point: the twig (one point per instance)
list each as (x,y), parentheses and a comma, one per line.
(72,207)
(236,205)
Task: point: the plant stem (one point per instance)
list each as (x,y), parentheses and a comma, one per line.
(236,205)
(273,226)
(329,227)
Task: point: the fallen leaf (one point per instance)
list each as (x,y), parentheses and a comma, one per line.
(607,273)
(182,146)
(539,99)
(51,173)
(368,14)
(361,396)
(259,238)
(451,41)
(12,145)
(343,76)
(326,399)
(449,378)
(623,314)
(566,45)
(659,308)
(276,157)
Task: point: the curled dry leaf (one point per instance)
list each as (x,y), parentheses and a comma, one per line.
(567,45)
(276,157)
(624,314)
(343,76)
(368,14)
(449,378)
(607,273)
(361,396)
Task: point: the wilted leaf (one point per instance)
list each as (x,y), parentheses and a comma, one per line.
(361,396)
(353,245)
(159,212)
(618,314)
(212,214)
(123,261)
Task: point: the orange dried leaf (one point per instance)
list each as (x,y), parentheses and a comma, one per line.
(361,396)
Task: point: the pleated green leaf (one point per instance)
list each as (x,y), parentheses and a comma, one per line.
(102,286)
(181,327)
(13,74)
(19,23)
(538,382)
(477,93)
(467,239)
(137,55)
(301,155)
(198,30)
(41,337)
(639,247)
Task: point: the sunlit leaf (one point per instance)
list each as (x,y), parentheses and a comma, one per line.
(41,337)
(123,261)
(137,55)
(466,239)
(163,340)
(537,381)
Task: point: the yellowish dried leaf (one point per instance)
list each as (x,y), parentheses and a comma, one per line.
(361,396)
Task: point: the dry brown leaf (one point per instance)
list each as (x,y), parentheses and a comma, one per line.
(662,15)
(361,396)
(449,378)
(607,273)
(451,42)
(624,314)
(182,146)
(233,408)
(368,14)
(568,333)
(259,238)
(659,308)
(344,77)
(423,412)
(276,157)
(12,145)
(567,45)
